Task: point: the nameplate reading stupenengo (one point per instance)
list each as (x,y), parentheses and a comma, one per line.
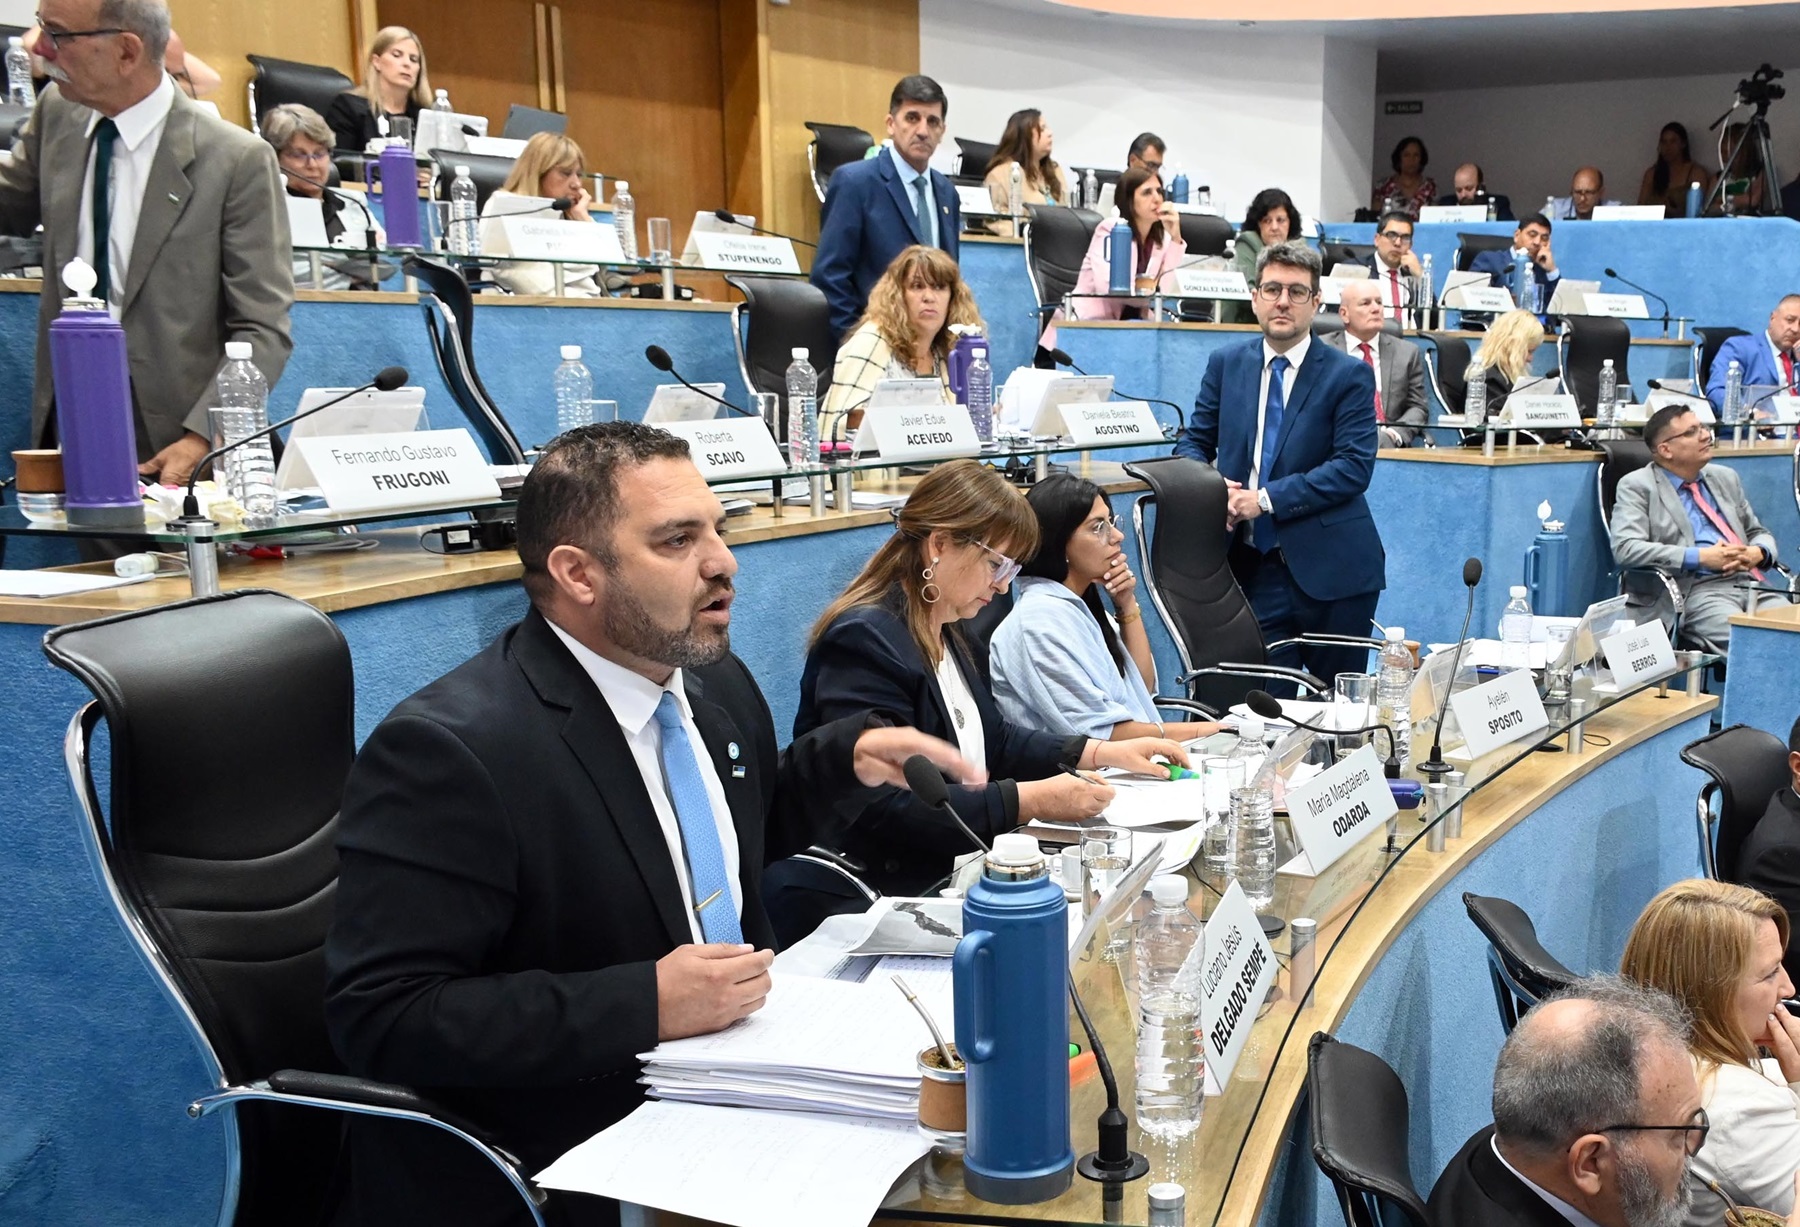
(425,468)
(745,253)
(1499,712)
(904,433)
(1113,421)
(1619,306)
(1639,654)
(1527,412)
(1237,973)
(549,238)
(1478,298)
(730,447)
(1333,811)
(1211,283)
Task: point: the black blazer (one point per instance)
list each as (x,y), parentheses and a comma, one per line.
(866,661)
(1477,1190)
(1769,860)
(504,895)
(352,120)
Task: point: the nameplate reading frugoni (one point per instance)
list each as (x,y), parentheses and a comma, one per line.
(426,468)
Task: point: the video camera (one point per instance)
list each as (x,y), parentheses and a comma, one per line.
(1760,90)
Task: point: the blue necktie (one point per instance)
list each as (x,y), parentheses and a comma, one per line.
(920,210)
(699,833)
(1262,528)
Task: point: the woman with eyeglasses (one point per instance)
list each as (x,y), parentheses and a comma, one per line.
(892,644)
(1716,948)
(302,143)
(1272,218)
(1059,660)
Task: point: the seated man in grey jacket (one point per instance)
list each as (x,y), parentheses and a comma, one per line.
(1690,518)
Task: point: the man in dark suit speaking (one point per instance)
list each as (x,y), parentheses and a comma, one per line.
(552,856)
(876,208)
(1290,423)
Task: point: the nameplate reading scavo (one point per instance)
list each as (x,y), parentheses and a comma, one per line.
(424,468)
(904,433)
(1334,810)
(1237,973)
(730,447)
(1479,298)
(1639,654)
(1558,409)
(1212,283)
(1619,306)
(549,238)
(1113,421)
(1499,712)
(745,253)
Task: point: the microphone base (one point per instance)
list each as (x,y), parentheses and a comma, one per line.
(1136,1167)
(1435,767)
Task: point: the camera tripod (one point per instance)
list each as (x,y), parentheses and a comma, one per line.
(1758,130)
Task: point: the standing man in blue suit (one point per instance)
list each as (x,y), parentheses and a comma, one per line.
(876,208)
(1765,360)
(1290,423)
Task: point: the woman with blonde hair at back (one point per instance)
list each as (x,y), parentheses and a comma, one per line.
(1505,355)
(394,86)
(551,167)
(1716,948)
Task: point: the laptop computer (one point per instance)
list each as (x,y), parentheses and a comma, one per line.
(367,413)
(523,122)
(671,402)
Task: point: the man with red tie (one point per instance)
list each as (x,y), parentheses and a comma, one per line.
(1689,517)
(1764,359)
(1398,365)
(1393,263)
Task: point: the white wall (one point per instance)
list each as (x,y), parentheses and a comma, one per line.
(1349,127)
(1530,140)
(18,13)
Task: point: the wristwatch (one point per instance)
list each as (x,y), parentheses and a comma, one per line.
(1262,500)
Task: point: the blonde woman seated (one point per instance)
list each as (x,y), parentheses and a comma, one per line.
(904,334)
(1505,357)
(549,167)
(1716,948)
(1026,143)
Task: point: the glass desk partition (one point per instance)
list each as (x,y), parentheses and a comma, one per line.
(372,266)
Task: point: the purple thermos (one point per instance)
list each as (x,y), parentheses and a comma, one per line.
(399,197)
(94,419)
(956,367)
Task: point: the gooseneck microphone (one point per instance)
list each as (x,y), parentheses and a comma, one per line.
(1614,274)
(658,357)
(1269,707)
(1549,376)
(732,219)
(1061,358)
(1435,766)
(1112,1161)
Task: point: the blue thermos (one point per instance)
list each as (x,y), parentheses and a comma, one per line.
(1178,190)
(1118,257)
(399,196)
(1012,1027)
(95,422)
(1547,569)
(1693,200)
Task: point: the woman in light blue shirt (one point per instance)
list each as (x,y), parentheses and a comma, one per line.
(1059,660)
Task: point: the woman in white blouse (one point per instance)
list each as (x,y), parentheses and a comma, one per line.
(550,167)
(1717,949)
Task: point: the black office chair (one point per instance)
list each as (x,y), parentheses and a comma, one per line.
(1359,1124)
(973,158)
(523,122)
(1523,972)
(1216,636)
(486,171)
(1650,589)
(1707,341)
(1447,362)
(1746,767)
(832,146)
(276,82)
(1468,246)
(1325,323)
(1334,253)
(1056,241)
(449,310)
(778,314)
(224,879)
(1206,235)
(1583,346)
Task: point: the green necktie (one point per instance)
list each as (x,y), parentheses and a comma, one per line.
(105,133)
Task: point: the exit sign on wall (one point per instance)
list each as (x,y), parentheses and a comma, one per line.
(1404,106)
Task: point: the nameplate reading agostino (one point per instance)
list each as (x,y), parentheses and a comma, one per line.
(730,447)
(426,468)
(1113,421)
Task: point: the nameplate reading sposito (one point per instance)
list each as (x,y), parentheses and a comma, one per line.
(426,468)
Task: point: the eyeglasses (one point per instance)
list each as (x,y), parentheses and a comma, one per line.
(1272,291)
(1103,527)
(1697,431)
(1005,569)
(1696,1130)
(58,37)
(1396,236)
(323,155)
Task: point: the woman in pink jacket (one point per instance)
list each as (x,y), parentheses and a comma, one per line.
(1157,250)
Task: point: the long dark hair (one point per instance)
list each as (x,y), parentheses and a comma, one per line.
(1015,146)
(1659,178)
(1062,503)
(1126,195)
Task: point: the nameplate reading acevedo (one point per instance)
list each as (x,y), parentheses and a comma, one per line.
(1639,654)
(1619,306)
(423,468)
(550,238)
(1212,283)
(1526,412)
(730,447)
(1237,973)
(904,433)
(1333,811)
(745,253)
(1113,421)
(1499,712)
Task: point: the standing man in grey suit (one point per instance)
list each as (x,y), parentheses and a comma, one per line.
(1690,517)
(1400,409)
(195,246)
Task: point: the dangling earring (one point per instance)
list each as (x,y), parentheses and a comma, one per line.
(930,592)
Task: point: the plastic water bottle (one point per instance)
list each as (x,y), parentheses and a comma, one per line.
(1515,630)
(1118,257)
(1524,283)
(1693,200)
(1015,190)
(803,411)
(981,396)
(1475,408)
(1090,189)
(625,220)
(1178,187)
(465,220)
(442,101)
(1426,298)
(18,74)
(243,409)
(1393,691)
(1171,1061)
(1732,412)
(1606,401)
(1253,829)
(1550,209)
(574,391)
(1493,209)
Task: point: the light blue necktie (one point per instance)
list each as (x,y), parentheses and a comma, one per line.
(921,210)
(1262,528)
(699,833)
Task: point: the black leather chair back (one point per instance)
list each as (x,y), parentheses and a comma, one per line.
(1448,357)
(449,310)
(1359,1123)
(833,145)
(523,122)
(1707,342)
(486,171)
(1190,576)
(1590,340)
(1617,458)
(1468,246)
(1056,241)
(277,82)
(973,159)
(1335,254)
(1205,235)
(782,313)
(1746,766)
(1523,971)
(231,727)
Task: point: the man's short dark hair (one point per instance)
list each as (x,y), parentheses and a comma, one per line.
(917,88)
(1794,738)
(1535,219)
(1144,141)
(1396,215)
(1292,254)
(1662,424)
(571,495)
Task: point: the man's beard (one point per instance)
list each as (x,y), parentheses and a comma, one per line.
(630,626)
(1642,1202)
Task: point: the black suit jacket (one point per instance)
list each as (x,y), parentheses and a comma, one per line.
(505,893)
(866,661)
(1502,204)
(1477,1190)
(352,120)
(1769,860)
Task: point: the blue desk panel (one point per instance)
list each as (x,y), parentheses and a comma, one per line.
(1760,668)
(995,271)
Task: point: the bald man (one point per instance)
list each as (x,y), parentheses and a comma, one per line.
(1586,189)
(1764,360)
(1399,366)
(1470,188)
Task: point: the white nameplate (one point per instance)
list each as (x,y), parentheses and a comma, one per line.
(731,447)
(1238,971)
(1452,213)
(1479,298)
(1783,410)
(1628,213)
(1555,409)
(1335,809)
(1499,712)
(1115,421)
(550,238)
(745,253)
(1211,283)
(1639,654)
(904,433)
(1699,406)
(1619,306)
(975,200)
(421,468)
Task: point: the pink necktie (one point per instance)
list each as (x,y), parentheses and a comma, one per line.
(1718,521)
(1369,357)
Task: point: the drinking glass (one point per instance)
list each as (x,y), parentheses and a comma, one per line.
(1105,858)
(605,410)
(1219,778)
(658,231)
(1355,707)
(1559,674)
(768,407)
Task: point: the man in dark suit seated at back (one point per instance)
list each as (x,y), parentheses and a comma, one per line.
(876,208)
(1532,239)
(1471,189)
(1770,857)
(1590,1091)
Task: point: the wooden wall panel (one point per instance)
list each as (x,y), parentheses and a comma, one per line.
(744,66)
(222,32)
(484,53)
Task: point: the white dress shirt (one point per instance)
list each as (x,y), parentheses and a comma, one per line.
(909,185)
(971,737)
(1576,1218)
(1754,1147)
(633,699)
(140,135)
(1295,357)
